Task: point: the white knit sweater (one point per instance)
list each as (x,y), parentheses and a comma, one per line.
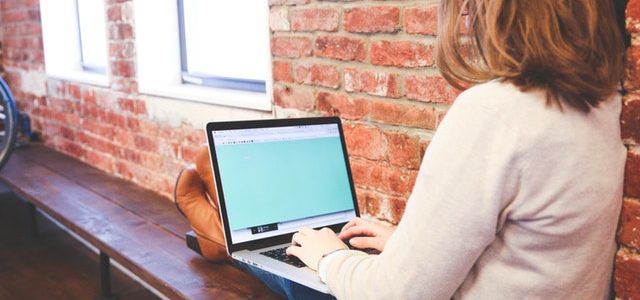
(514,200)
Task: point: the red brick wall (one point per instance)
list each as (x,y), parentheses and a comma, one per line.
(627,274)
(371,63)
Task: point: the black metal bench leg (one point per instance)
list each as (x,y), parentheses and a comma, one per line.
(105,276)
(32,219)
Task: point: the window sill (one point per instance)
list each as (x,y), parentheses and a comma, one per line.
(234,98)
(81,77)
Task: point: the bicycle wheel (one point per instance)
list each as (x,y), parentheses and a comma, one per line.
(8,122)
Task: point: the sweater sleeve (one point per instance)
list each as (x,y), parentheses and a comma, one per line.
(468,175)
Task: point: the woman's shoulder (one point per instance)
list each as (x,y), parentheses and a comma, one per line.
(506,97)
(534,120)
(497,103)
(499,95)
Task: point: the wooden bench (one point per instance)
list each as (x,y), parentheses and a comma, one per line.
(139,229)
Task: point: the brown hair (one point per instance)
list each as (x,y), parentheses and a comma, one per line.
(570,49)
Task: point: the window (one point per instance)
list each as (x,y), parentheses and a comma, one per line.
(208,51)
(74,37)
(91,31)
(217,46)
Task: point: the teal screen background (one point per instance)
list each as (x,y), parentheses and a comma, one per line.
(271,182)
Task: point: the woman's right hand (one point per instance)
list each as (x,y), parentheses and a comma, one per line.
(363,234)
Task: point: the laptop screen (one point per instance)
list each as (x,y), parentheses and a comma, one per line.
(278,179)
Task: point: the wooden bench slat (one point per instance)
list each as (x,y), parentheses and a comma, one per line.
(153,252)
(124,193)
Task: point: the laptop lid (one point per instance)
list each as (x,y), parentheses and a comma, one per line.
(275,176)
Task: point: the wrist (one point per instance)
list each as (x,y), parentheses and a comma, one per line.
(324,262)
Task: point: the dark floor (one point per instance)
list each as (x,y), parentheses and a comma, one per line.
(52,265)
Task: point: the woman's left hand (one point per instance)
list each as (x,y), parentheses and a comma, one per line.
(311,245)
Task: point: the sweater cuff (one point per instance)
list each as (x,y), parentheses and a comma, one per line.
(324,263)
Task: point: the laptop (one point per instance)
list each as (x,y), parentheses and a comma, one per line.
(274,177)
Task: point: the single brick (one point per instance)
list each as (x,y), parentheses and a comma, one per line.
(372,19)
(317,74)
(343,106)
(359,170)
(98,143)
(279,19)
(123,68)
(632,175)
(421,20)
(74,91)
(282,71)
(392,180)
(630,119)
(291,46)
(126,9)
(121,50)
(114,119)
(145,143)
(632,80)
(365,141)
(131,155)
(133,123)
(633,16)
(123,138)
(99,160)
(67,133)
(98,128)
(627,275)
(395,209)
(294,97)
(71,148)
(315,19)
(368,201)
(134,106)
(340,47)
(429,89)
(404,151)
(371,82)
(404,114)
(127,85)
(401,54)
(114,13)
(120,31)
(15,16)
(629,228)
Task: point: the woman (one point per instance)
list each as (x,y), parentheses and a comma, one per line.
(520,188)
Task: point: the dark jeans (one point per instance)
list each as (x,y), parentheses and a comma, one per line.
(283,287)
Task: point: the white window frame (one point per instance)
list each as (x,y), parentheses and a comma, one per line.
(61,41)
(159,66)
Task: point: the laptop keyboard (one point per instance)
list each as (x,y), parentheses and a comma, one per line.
(281,255)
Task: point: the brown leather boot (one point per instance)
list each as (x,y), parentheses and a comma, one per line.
(191,200)
(203,166)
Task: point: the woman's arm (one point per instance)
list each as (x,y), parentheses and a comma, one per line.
(469,174)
